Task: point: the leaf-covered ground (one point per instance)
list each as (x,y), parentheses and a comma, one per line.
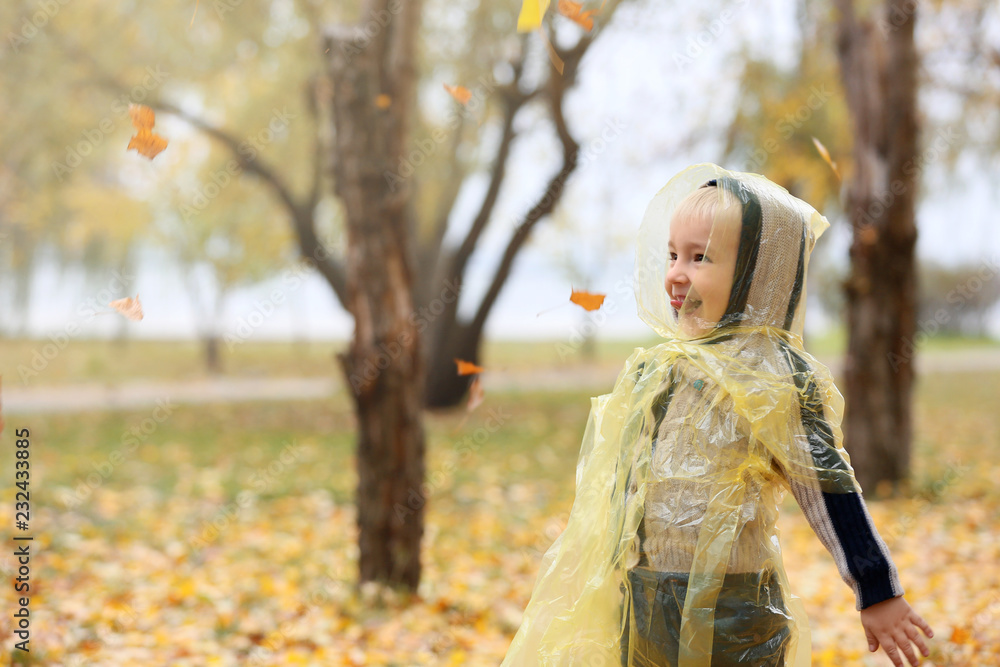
(225,535)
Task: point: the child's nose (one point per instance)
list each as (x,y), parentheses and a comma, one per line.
(675,276)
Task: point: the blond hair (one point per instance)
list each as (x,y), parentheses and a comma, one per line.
(704,203)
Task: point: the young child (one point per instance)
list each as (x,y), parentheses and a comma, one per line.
(670,555)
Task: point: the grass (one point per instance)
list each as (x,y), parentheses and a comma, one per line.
(43,362)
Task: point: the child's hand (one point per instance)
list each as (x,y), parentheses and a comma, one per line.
(892,624)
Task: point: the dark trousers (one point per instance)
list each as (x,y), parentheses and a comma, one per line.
(752,625)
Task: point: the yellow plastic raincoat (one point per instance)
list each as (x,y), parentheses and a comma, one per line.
(670,555)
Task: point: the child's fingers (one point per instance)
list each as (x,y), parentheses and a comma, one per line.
(893,653)
(872,640)
(914,636)
(916,619)
(903,641)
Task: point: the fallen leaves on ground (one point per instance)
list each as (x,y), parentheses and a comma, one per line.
(136,575)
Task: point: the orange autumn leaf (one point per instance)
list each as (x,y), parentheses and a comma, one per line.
(382,101)
(574,11)
(145,142)
(129,307)
(476,395)
(825,154)
(467,367)
(460,93)
(960,636)
(588,300)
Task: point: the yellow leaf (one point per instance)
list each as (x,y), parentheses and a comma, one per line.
(129,307)
(531,15)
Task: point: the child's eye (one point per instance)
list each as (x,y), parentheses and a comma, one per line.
(699,257)
(673,256)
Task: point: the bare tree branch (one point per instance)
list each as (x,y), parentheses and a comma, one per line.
(513,101)
(310,247)
(553,192)
(558,86)
(302,213)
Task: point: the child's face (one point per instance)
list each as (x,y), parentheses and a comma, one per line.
(700,275)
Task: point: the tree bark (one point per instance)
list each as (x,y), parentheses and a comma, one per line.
(213,362)
(372,77)
(372,97)
(878,63)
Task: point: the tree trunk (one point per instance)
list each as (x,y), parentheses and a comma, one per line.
(445,387)
(213,362)
(373,93)
(878,63)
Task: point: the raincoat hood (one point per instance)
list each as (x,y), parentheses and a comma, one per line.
(683,463)
(777,236)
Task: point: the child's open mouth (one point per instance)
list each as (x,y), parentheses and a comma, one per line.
(693,304)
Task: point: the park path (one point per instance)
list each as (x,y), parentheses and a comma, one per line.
(598,378)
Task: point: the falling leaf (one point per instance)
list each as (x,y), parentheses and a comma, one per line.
(129,307)
(574,12)
(588,300)
(531,15)
(960,636)
(557,62)
(825,154)
(467,367)
(382,101)
(530,19)
(145,142)
(460,93)
(476,394)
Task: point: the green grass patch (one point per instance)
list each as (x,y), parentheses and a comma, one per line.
(42,362)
